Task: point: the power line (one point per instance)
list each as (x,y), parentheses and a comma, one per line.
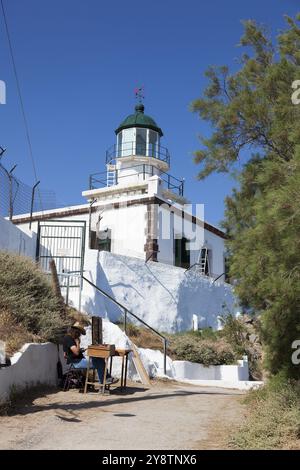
(20,97)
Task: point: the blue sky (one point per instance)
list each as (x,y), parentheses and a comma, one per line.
(79,62)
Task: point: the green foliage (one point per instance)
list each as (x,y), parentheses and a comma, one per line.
(205,333)
(205,346)
(235,333)
(266,255)
(252,110)
(27,298)
(274,417)
(207,352)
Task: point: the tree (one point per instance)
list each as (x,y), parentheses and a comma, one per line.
(252,110)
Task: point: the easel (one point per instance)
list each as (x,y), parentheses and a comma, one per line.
(99,351)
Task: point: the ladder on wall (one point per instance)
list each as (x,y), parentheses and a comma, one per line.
(203,261)
(111,175)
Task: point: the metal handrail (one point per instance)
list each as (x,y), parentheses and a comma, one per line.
(218,277)
(126,311)
(171,181)
(138,149)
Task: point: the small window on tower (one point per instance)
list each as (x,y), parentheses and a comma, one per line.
(141,141)
(104,240)
(153,144)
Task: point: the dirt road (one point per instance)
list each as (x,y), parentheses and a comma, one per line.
(165,416)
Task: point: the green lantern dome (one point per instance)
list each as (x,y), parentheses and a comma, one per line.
(139,119)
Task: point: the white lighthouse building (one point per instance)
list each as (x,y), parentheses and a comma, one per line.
(137,238)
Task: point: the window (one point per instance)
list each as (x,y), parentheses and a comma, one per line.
(182,252)
(141,141)
(93,240)
(104,240)
(153,144)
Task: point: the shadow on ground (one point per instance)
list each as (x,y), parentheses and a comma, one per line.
(67,401)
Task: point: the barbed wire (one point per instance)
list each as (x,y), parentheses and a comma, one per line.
(16,196)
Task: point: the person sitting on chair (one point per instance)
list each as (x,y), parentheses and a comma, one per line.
(74,353)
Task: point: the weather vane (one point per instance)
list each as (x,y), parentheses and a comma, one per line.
(139,93)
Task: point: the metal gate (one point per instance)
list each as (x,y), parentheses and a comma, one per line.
(64,242)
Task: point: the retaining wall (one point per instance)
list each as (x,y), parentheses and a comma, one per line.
(35,364)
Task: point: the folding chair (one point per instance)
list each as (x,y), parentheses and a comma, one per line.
(73,374)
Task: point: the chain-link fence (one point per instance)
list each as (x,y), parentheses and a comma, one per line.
(18,198)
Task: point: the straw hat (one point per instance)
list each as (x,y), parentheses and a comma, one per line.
(79,327)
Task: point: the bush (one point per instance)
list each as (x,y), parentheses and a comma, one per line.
(235,332)
(27,301)
(273,417)
(243,335)
(206,352)
(206,333)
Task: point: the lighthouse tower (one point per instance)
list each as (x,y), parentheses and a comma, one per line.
(137,154)
(136,164)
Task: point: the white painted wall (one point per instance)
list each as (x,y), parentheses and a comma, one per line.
(136,170)
(127,226)
(171,224)
(216,244)
(192,371)
(164,296)
(35,364)
(15,240)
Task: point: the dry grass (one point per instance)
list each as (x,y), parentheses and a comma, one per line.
(26,293)
(74,315)
(144,338)
(273,417)
(14,334)
(30,311)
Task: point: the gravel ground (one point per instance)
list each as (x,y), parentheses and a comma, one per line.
(167,415)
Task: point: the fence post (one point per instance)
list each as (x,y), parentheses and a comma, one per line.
(56,286)
(11,202)
(68,288)
(32,202)
(80,293)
